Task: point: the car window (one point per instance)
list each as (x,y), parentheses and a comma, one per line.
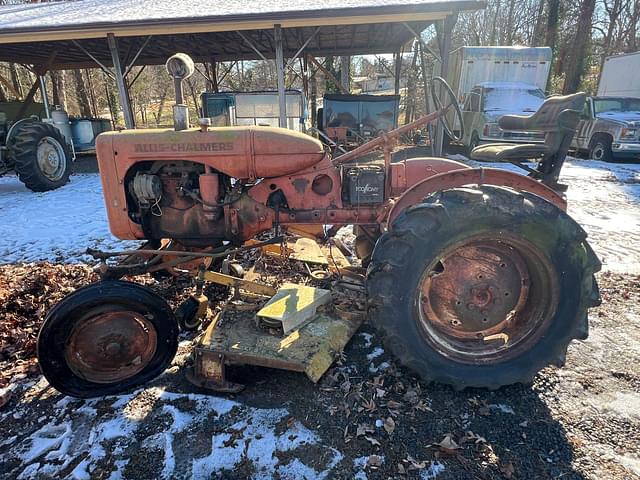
(608,105)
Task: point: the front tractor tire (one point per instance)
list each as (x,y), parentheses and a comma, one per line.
(41,156)
(107,338)
(482,287)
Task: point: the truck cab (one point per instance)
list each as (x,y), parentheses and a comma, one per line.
(609,129)
(487,102)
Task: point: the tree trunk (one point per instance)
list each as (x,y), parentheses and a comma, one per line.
(92,93)
(15,78)
(552,24)
(163,98)
(411,87)
(82,97)
(59,96)
(510,26)
(576,64)
(111,100)
(492,39)
(538,37)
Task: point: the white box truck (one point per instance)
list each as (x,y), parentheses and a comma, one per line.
(494,81)
(610,126)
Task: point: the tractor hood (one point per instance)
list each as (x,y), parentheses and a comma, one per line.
(240,152)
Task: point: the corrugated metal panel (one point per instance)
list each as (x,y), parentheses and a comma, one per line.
(94,13)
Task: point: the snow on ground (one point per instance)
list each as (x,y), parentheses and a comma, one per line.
(59,225)
(211,434)
(604,198)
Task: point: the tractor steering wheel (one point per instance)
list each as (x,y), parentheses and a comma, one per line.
(444,121)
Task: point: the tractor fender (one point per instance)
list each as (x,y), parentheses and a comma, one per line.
(405,174)
(15,127)
(473,176)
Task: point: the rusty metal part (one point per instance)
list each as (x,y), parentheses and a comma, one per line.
(101,255)
(406,174)
(320,274)
(240,284)
(208,372)
(473,176)
(110,346)
(487,298)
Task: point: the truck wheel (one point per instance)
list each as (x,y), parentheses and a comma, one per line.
(482,287)
(600,148)
(41,156)
(107,338)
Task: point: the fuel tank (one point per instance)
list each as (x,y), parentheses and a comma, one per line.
(244,153)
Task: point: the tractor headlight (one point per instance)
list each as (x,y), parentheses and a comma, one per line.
(492,130)
(628,133)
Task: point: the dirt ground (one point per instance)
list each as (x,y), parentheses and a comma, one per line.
(367,418)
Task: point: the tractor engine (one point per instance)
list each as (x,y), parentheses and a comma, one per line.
(179,199)
(203,186)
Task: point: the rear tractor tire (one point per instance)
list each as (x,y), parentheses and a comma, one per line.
(41,156)
(107,338)
(482,287)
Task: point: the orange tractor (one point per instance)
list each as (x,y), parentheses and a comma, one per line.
(476,277)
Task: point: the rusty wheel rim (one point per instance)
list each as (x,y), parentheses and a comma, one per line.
(487,299)
(111,346)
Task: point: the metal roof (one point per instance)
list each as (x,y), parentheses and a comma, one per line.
(208,29)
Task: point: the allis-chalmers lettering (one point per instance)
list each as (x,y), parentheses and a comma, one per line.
(183,147)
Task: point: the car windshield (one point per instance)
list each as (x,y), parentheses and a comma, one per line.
(617,105)
(512,99)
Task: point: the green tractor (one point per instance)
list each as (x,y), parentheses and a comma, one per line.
(35,145)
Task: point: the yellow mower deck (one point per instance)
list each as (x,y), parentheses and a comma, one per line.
(249,332)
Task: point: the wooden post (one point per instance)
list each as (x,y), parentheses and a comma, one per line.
(122,88)
(282,99)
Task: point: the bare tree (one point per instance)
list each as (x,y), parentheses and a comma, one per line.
(576,63)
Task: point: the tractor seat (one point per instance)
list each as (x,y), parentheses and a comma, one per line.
(506,152)
(558,118)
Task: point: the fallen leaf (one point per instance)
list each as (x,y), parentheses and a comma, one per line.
(389,425)
(363,429)
(372,441)
(5,395)
(508,470)
(448,444)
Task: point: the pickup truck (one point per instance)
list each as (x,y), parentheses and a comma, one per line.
(609,129)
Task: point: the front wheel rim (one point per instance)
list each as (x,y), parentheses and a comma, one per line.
(486,300)
(109,346)
(51,158)
(598,152)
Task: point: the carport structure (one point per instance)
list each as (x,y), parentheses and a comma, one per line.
(117,35)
